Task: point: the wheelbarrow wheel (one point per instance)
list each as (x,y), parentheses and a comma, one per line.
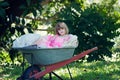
(29,72)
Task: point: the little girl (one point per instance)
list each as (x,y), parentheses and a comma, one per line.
(61,39)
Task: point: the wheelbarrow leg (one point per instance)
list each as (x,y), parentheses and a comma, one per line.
(69,72)
(50,76)
(57,76)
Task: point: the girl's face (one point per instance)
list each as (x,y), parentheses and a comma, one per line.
(62,31)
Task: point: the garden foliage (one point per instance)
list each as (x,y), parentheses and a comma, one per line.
(95,25)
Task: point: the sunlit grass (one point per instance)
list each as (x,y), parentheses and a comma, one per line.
(10,72)
(96,70)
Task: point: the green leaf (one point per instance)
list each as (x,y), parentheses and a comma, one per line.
(34,13)
(28,2)
(25,13)
(23,7)
(2,13)
(4,4)
(17,20)
(23,21)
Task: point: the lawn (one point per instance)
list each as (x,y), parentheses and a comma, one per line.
(97,70)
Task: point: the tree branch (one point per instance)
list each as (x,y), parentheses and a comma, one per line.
(44,2)
(43,20)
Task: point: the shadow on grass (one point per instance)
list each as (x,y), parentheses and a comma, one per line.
(10,72)
(92,71)
(80,71)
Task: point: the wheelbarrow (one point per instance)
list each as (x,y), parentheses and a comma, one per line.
(49,58)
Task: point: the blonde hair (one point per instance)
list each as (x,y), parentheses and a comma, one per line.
(60,25)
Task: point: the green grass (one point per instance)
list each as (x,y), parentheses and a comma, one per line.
(97,70)
(10,72)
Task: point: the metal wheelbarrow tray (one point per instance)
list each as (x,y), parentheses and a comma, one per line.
(46,56)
